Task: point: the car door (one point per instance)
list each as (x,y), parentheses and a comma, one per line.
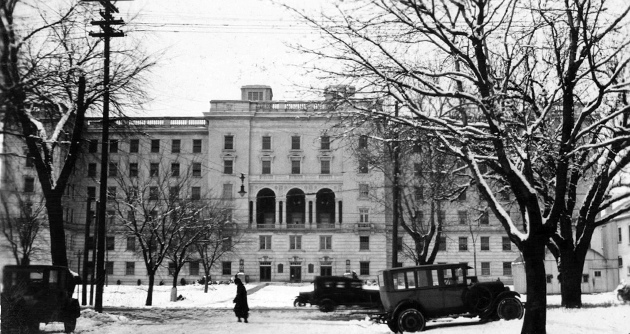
(452,288)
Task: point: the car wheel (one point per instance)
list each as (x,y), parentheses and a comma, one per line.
(393,325)
(479,298)
(510,308)
(69,325)
(298,302)
(327,305)
(411,320)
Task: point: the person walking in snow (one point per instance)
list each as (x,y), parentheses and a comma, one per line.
(241,309)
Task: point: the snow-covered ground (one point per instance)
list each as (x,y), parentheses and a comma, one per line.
(272,312)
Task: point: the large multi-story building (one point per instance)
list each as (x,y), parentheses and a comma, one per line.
(304,203)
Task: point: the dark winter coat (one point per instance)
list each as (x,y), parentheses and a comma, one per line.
(241,308)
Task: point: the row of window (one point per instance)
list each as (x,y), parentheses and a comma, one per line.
(153,193)
(266,143)
(506,244)
(325,242)
(325,270)
(462,215)
(155,146)
(134,169)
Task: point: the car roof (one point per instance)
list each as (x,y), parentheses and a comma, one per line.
(34,267)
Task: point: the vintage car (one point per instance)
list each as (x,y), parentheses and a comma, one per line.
(332,291)
(413,295)
(38,293)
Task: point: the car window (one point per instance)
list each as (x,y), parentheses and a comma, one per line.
(411,280)
(425,278)
(399,280)
(36,276)
(328,284)
(341,285)
(356,285)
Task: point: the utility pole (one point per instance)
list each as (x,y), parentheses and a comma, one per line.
(396,190)
(88,220)
(106,33)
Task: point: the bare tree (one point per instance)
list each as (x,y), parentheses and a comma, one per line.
(21,228)
(50,76)
(533,90)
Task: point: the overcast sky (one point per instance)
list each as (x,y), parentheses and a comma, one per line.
(212,48)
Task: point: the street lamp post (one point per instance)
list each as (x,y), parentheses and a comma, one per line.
(242,192)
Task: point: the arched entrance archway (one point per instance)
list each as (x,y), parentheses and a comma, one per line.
(325,207)
(296,208)
(265,208)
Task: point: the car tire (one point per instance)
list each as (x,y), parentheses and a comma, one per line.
(297,302)
(327,305)
(510,308)
(479,299)
(410,320)
(70,325)
(393,325)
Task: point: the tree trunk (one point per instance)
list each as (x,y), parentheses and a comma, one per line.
(536,313)
(150,291)
(570,279)
(174,287)
(54,209)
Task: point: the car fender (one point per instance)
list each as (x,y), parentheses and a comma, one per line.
(405,304)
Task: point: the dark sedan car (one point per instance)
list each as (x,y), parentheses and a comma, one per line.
(413,295)
(332,291)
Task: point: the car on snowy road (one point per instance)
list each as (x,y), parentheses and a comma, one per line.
(413,295)
(332,291)
(38,293)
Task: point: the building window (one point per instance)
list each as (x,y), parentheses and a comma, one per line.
(325,143)
(195,193)
(266,167)
(112,170)
(30,162)
(419,194)
(417,170)
(485,268)
(507,268)
(109,242)
(193,268)
(506,243)
(463,244)
(197,146)
(619,237)
(176,146)
(266,142)
(113,146)
(363,166)
(419,217)
(228,166)
(620,262)
(175,169)
(325,167)
(131,244)
(442,246)
(484,219)
(196,169)
(133,169)
(91,193)
(29,184)
(311,268)
(134,146)
(584,278)
(325,242)
(399,244)
(226,245)
(154,169)
(155,146)
(91,170)
(228,142)
(111,193)
(462,195)
(363,142)
(173,193)
(295,242)
(441,215)
(280,268)
(109,268)
(485,243)
(364,190)
(255,96)
(549,279)
(93,146)
(462,216)
(295,142)
(295,166)
(130,268)
(227,191)
(265,241)
(364,243)
(364,215)
(153,193)
(364,268)
(226,268)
